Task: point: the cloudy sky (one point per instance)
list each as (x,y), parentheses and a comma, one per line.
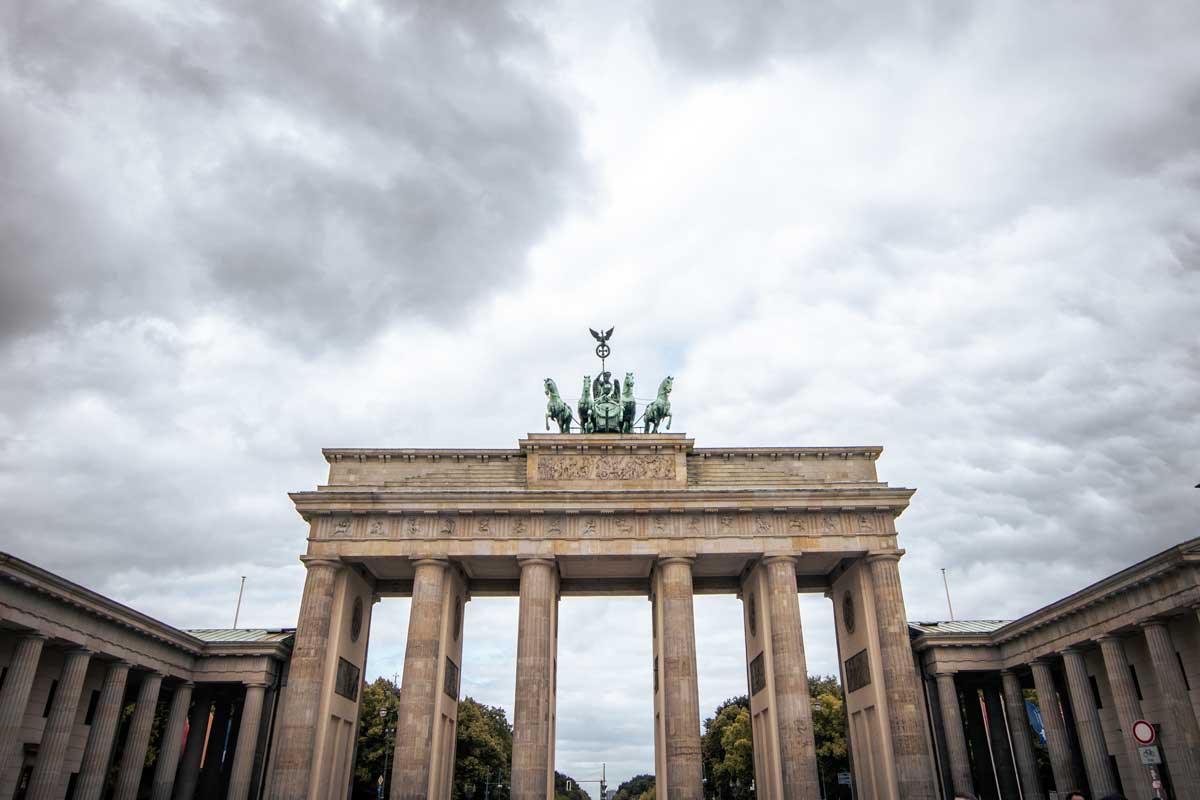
(234,233)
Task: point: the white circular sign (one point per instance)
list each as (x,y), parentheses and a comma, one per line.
(1143,732)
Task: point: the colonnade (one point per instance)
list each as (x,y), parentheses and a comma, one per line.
(78,707)
(1072,685)
(783,728)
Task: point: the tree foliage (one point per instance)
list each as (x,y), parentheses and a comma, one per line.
(635,787)
(561,792)
(375,731)
(483,752)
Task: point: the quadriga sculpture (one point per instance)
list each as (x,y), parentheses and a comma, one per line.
(585,405)
(660,409)
(556,409)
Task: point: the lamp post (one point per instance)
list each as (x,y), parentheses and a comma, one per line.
(816,707)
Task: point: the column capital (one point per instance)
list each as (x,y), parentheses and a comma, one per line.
(1010,671)
(945,673)
(779,558)
(430,561)
(31,634)
(79,650)
(1153,622)
(321,561)
(662,560)
(186,684)
(884,555)
(256,684)
(1072,650)
(534,560)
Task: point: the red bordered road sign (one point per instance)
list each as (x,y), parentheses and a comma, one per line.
(1143,732)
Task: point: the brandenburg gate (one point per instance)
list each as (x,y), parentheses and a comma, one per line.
(604,511)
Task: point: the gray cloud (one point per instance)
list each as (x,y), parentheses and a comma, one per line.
(316,167)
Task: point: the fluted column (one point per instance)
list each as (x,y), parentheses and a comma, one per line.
(956,740)
(532,710)
(1129,708)
(247,743)
(172,743)
(93,770)
(298,726)
(133,758)
(1057,742)
(793,704)
(48,780)
(914,769)
(1182,735)
(1018,723)
(14,698)
(418,687)
(681,692)
(1087,725)
(193,749)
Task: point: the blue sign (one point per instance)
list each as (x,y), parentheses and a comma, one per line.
(1035,720)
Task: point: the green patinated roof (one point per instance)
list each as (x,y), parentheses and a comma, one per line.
(230,635)
(965,627)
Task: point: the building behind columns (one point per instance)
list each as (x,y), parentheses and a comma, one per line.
(1125,648)
(72,660)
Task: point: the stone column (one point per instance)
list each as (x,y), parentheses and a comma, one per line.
(793,704)
(1057,742)
(914,769)
(172,743)
(93,770)
(1087,725)
(193,749)
(48,781)
(1129,708)
(14,698)
(681,692)
(1018,725)
(1182,735)
(956,740)
(133,759)
(247,742)
(418,686)
(298,726)
(535,662)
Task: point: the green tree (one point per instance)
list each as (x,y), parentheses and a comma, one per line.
(649,794)
(829,731)
(375,737)
(483,752)
(727,751)
(561,792)
(635,787)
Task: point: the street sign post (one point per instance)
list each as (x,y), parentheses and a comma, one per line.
(1149,755)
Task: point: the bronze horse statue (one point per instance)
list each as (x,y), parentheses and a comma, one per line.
(660,409)
(556,409)
(585,405)
(628,405)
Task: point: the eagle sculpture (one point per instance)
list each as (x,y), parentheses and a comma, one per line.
(602,337)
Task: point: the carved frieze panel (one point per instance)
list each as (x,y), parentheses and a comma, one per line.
(597,467)
(648,524)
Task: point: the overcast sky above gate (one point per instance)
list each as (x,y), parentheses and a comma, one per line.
(231,234)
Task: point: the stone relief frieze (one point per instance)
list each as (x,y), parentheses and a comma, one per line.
(605,467)
(603,525)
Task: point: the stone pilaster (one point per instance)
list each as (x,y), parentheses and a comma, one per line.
(1087,725)
(193,749)
(1018,723)
(1057,742)
(532,767)
(793,704)
(14,699)
(914,769)
(247,742)
(681,692)
(133,758)
(172,743)
(48,781)
(418,687)
(956,740)
(93,770)
(1129,708)
(1181,738)
(298,727)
